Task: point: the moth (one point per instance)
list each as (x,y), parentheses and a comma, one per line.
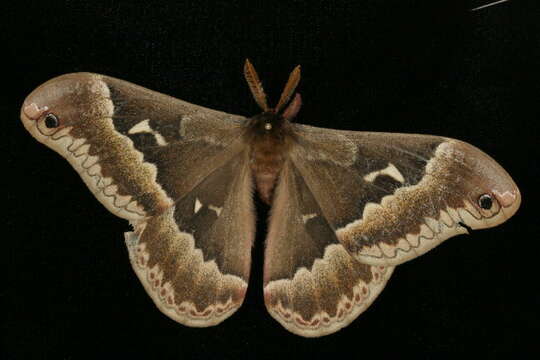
(346,206)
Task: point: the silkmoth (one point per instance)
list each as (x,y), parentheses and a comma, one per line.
(346,206)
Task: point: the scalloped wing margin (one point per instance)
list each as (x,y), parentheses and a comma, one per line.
(312,285)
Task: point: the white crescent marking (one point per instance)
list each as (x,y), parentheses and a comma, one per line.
(390,170)
(144,127)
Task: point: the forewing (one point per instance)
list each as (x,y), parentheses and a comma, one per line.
(179,172)
(137,150)
(391,197)
(312,285)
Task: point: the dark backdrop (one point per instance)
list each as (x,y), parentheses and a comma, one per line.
(374,65)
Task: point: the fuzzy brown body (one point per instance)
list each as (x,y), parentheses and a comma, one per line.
(270,139)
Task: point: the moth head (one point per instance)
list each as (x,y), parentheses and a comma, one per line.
(260,97)
(491,193)
(267,123)
(65,105)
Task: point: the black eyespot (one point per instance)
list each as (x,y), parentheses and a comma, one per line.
(51,121)
(485,201)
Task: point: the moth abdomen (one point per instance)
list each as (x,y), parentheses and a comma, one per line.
(266,163)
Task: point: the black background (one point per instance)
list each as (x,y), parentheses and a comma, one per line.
(373,65)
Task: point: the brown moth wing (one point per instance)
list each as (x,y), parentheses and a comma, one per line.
(312,285)
(132,146)
(156,161)
(194,258)
(392,197)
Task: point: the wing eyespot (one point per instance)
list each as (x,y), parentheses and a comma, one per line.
(51,121)
(49,124)
(485,201)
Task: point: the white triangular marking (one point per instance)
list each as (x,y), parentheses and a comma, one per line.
(198,206)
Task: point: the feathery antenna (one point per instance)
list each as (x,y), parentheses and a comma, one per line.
(255,85)
(260,97)
(291,85)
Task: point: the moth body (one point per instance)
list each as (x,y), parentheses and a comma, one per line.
(269,136)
